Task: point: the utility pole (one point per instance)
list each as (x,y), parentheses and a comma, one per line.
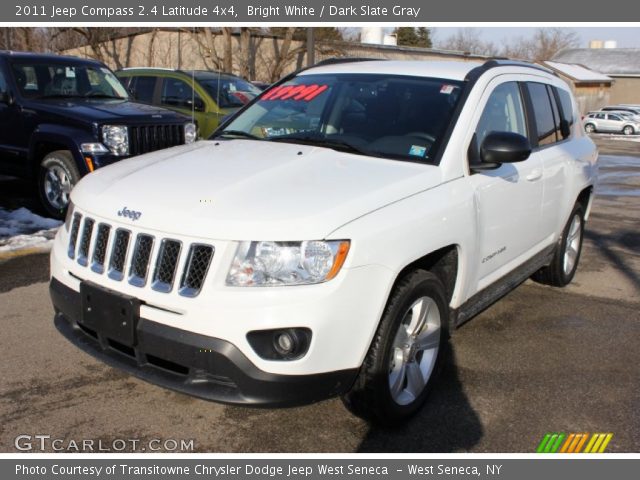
(311,47)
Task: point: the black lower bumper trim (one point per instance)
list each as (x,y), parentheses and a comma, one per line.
(198,365)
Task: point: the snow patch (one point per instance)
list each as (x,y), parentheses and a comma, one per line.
(21,229)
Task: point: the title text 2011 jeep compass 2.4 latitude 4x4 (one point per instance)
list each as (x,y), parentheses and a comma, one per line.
(329,235)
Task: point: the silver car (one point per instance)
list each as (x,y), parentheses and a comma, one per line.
(610,122)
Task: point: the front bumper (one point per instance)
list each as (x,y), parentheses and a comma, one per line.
(199,365)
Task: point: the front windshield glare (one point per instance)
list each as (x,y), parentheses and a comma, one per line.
(381,115)
(52,80)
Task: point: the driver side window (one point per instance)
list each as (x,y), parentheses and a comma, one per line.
(504,112)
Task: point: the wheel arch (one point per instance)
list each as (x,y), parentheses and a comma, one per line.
(585,199)
(47,139)
(443,262)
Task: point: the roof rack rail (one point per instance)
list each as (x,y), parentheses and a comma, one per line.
(505,62)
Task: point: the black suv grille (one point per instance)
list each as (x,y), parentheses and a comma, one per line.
(137,252)
(148,138)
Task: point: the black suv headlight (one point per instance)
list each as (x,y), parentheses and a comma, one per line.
(116,139)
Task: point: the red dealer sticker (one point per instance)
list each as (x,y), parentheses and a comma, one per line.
(304,93)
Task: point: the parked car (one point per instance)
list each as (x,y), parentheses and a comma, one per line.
(330,235)
(625,108)
(208,96)
(610,122)
(63,117)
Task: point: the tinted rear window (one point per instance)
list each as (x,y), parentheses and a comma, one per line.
(545,121)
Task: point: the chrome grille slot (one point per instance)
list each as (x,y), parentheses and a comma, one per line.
(119,254)
(85,241)
(140,260)
(195,270)
(100,248)
(73,237)
(166,265)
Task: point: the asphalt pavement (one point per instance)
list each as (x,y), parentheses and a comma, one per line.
(539,360)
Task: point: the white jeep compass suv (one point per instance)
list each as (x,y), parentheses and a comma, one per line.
(328,237)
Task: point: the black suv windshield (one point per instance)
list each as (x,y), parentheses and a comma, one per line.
(61,80)
(381,115)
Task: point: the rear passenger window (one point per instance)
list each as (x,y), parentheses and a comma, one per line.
(556,112)
(543,112)
(567,107)
(143,88)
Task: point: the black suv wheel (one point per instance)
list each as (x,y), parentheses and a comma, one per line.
(57,176)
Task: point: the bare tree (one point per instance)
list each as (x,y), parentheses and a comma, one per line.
(467,40)
(544,44)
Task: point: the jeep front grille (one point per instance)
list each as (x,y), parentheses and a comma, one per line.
(140,260)
(119,254)
(166,265)
(85,241)
(100,249)
(73,237)
(133,256)
(196,269)
(148,138)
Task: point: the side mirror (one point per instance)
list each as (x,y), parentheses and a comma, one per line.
(503,147)
(198,104)
(6,98)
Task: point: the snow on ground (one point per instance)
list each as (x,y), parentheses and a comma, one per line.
(22,229)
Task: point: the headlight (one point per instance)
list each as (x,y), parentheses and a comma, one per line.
(286,263)
(190,133)
(116,138)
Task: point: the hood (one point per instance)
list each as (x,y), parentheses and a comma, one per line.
(100,110)
(250,190)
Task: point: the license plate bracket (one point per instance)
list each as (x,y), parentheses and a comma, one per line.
(110,313)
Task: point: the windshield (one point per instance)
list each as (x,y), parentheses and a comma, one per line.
(381,115)
(53,80)
(229,92)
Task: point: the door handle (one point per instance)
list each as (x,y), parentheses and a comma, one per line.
(534,175)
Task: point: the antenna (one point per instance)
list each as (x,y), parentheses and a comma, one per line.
(193,89)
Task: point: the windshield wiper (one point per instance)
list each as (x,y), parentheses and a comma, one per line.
(335,144)
(236,133)
(102,95)
(61,95)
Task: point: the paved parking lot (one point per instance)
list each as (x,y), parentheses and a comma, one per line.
(540,360)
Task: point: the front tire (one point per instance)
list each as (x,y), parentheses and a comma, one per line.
(406,352)
(628,130)
(57,176)
(589,128)
(562,269)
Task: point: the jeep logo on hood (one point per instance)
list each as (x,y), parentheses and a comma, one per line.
(132,214)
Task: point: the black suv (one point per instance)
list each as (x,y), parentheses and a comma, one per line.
(63,117)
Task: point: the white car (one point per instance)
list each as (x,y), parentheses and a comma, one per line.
(610,122)
(331,235)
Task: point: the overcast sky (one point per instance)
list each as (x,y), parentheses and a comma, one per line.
(627,37)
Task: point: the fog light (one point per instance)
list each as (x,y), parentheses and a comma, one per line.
(284,343)
(280,344)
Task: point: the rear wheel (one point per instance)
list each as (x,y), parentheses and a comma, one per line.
(405,355)
(563,267)
(57,177)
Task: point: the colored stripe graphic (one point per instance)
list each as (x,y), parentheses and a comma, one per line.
(574,443)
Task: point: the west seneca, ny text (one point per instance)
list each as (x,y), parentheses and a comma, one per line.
(262,470)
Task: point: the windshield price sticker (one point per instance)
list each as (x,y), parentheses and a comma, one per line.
(304,93)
